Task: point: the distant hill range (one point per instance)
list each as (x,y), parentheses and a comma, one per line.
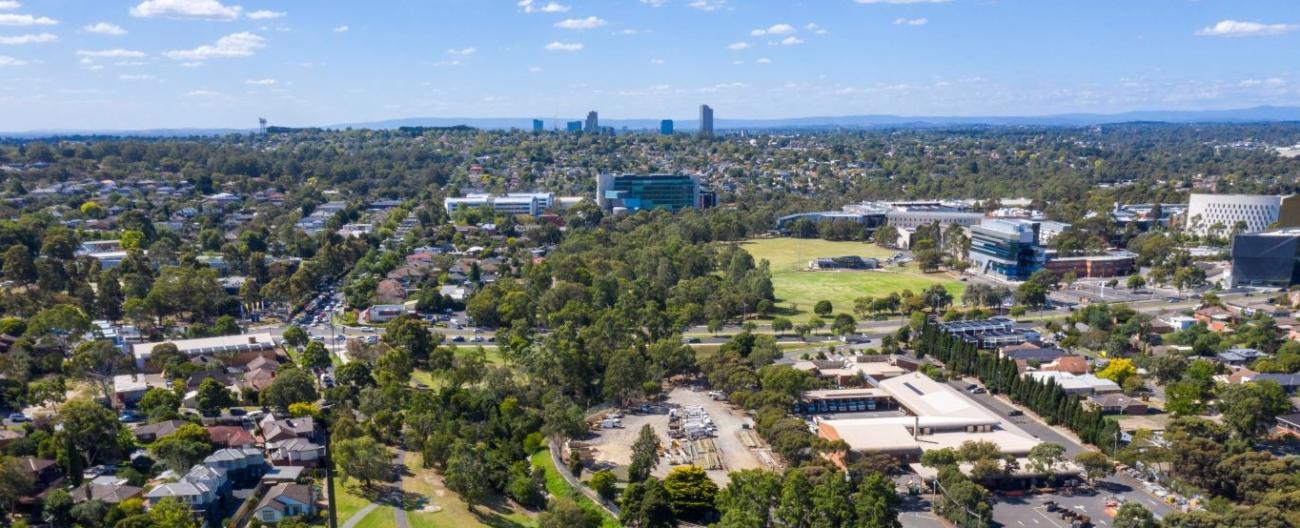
(1244,115)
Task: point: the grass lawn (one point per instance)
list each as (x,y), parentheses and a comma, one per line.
(349,501)
(798,289)
(424,486)
(558,487)
(491,353)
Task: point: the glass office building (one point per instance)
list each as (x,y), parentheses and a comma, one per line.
(635,192)
(1007,249)
(1268,259)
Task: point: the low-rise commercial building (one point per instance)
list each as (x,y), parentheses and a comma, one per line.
(1113,264)
(931,415)
(533,204)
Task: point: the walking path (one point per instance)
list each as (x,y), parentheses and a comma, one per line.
(562,469)
(360,514)
(399,510)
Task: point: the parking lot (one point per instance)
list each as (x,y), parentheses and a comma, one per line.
(730,447)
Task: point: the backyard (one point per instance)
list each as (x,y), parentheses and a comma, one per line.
(798,288)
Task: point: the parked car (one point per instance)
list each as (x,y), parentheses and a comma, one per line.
(18,418)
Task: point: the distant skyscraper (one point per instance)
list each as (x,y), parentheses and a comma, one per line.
(573,126)
(666,127)
(538,126)
(593,123)
(706,120)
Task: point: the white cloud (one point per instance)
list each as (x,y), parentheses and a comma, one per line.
(462,52)
(903,1)
(791,41)
(549,7)
(95,67)
(192,64)
(654,3)
(563,46)
(341,29)
(910,21)
(1233,28)
(9,4)
(104,28)
(656,61)
(813,27)
(764,60)
(28,39)
(737,46)
(25,20)
(6,60)
(240,44)
(111,53)
(535,69)
(590,22)
(261,82)
(193,9)
(776,29)
(136,77)
(202,93)
(708,5)
(447,63)
(264,14)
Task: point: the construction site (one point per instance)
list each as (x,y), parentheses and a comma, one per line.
(694,428)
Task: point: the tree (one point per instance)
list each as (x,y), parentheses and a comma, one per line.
(213,397)
(291,385)
(16,481)
(844,325)
(466,472)
(109,296)
(1118,370)
(186,446)
(876,503)
(1095,465)
(315,356)
(362,458)
(411,334)
(646,505)
(1135,282)
(173,513)
(1044,457)
(97,361)
(160,404)
(795,507)
(61,320)
(604,483)
(91,427)
(295,336)
(823,308)
(624,375)
(645,455)
(564,513)
(166,356)
(691,492)
(58,508)
(1133,515)
(781,325)
(1250,408)
(18,264)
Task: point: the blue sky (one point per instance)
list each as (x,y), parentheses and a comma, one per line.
(129,64)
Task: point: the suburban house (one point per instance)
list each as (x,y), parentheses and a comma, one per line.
(1115,403)
(225,436)
(1077,365)
(285,500)
(1288,425)
(108,489)
(274,430)
(1239,357)
(295,452)
(150,432)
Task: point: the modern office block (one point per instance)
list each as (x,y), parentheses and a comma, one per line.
(538,126)
(706,120)
(1268,259)
(1006,248)
(666,127)
(592,125)
(635,192)
(573,126)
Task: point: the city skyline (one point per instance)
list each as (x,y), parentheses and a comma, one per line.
(138,64)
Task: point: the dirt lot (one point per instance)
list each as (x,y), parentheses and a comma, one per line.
(613,447)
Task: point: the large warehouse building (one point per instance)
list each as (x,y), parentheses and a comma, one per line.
(931,415)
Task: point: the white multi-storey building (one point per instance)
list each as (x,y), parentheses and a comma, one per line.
(513,203)
(1220,213)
